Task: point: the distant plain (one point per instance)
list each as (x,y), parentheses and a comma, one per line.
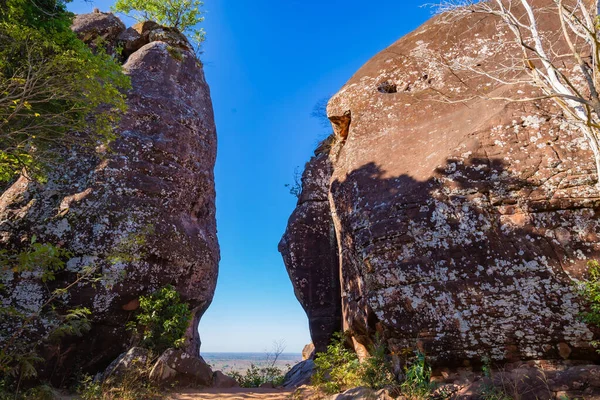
(240,362)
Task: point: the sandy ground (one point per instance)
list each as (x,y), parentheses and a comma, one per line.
(233,394)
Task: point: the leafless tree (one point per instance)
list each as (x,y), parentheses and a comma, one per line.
(564,69)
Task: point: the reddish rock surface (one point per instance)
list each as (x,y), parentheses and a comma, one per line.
(309,250)
(98,28)
(176,368)
(142,212)
(461,227)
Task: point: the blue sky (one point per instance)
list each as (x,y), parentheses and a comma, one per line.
(268,62)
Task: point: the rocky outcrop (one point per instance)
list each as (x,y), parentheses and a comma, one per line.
(141,212)
(300,374)
(461,227)
(309,250)
(222,381)
(135,358)
(98,29)
(177,368)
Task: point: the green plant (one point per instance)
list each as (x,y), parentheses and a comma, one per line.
(89,389)
(40,392)
(183,15)
(338,368)
(589,288)
(55,93)
(417,378)
(489,391)
(19,350)
(268,373)
(376,371)
(162,320)
(132,384)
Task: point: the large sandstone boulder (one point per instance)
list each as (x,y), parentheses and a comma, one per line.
(309,250)
(142,212)
(461,227)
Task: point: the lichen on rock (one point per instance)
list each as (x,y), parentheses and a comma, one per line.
(142,212)
(461,227)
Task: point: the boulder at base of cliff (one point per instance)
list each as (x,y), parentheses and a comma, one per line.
(222,381)
(178,368)
(136,357)
(299,375)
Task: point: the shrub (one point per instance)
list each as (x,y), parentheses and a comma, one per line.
(256,376)
(338,368)
(134,384)
(52,88)
(376,370)
(590,289)
(269,373)
(162,320)
(417,377)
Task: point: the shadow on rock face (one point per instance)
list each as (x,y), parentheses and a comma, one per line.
(463,265)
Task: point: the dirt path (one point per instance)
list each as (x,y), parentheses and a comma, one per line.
(233,394)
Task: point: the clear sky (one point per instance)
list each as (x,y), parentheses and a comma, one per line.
(268,62)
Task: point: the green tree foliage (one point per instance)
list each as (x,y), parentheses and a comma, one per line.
(183,15)
(54,92)
(162,320)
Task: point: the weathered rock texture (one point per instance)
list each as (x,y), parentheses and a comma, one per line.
(461,226)
(141,212)
(309,250)
(177,368)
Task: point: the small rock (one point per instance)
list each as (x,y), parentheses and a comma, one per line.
(308,352)
(182,369)
(300,374)
(445,392)
(144,28)
(134,358)
(170,36)
(93,26)
(222,381)
(131,41)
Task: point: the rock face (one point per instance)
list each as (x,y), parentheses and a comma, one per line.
(175,367)
(142,212)
(460,227)
(98,29)
(309,250)
(300,374)
(136,357)
(222,381)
